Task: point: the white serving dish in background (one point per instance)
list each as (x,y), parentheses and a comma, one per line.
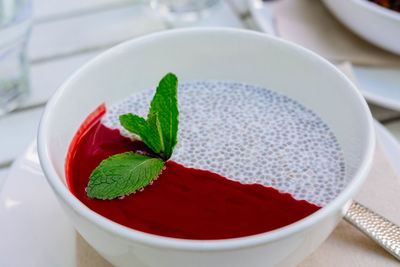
(374,23)
(378,85)
(207,54)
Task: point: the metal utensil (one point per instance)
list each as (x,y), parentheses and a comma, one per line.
(378,228)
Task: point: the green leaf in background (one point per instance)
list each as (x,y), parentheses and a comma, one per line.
(165,103)
(123,174)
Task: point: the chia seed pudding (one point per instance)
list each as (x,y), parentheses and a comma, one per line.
(252,135)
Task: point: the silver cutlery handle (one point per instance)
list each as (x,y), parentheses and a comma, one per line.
(379,229)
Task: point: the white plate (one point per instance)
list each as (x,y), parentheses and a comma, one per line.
(380,86)
(33,229)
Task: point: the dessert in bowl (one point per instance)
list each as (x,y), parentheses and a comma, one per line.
(225,72)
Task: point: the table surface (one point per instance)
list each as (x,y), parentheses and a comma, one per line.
(66,34)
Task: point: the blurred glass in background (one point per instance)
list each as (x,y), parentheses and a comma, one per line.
(15,25)
(183,10)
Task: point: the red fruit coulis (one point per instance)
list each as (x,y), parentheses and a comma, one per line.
(183,202)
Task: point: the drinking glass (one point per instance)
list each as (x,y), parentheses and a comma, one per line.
(15,25)
(183,10)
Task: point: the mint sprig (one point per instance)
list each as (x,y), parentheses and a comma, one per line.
(125,173)
(159,132)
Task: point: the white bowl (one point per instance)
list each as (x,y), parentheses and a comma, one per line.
(207,54)
(374,23)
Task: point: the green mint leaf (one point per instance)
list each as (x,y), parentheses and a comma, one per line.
(165,104)
(123,174)
(159,132)
(155,133)
(148,130)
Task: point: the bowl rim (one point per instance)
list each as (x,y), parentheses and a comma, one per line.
(378,9)
(63,193)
